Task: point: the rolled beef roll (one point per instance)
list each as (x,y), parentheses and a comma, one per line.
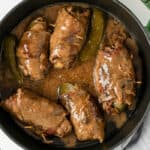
(32,52)
(69,35)
(39,114)
(84,114)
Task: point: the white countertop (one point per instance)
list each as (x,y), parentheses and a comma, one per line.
(143,14)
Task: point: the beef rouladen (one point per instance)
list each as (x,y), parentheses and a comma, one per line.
(69,35)
(84,114)
(40,114)
(114,75)
(32,52)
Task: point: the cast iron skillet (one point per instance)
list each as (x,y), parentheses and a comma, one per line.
(120,139)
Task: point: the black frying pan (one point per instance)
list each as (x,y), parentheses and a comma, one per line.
(121,138)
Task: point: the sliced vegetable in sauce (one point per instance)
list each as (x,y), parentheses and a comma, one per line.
(95,36)
(120,106)
(65,87)
(8,47)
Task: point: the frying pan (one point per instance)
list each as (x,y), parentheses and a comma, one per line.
(124,135)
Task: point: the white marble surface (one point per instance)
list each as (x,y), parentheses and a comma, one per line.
(143,14)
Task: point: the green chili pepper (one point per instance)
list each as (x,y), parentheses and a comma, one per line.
(119,106)
(65,88)
(95,36)
(8,47)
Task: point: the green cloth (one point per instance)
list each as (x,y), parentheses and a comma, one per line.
(147,28)
(147,3)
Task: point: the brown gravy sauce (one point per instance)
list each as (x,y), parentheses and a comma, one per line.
(80,74)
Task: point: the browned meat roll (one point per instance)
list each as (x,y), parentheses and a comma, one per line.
(114,79)
(32,52)
(114,75)
(86,119)
(40,114)
(69,35)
